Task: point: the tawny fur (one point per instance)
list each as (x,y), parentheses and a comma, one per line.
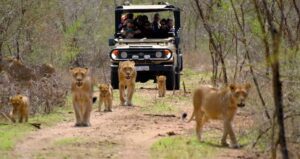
(161,85)
(20,110)
(219,104)
(105,96)
(82,95)
(127,76)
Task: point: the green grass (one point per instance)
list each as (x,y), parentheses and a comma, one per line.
(159,107)
(188,147)
(184,147)
(67,141)
(249,138)
(11,133)
(191,74)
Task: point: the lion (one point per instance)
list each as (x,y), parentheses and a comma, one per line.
(105,96)
(20,105)
(161,85)
(219,104)
(127,76)
(82,93)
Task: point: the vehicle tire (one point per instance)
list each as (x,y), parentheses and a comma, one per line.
(177,81)
(170,80)
(114,80)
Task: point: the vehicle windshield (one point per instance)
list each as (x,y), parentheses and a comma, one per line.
(150,25)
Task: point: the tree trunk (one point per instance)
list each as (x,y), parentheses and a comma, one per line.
(215,46)
(276,34)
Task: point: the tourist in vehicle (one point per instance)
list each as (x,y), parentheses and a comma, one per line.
(170,24)
(147,30)
(143,24)
(129,31)
(129,16)
(163,30)
(124,19)
(122,24)
(156,25)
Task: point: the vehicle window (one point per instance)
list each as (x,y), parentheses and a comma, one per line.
(146,25)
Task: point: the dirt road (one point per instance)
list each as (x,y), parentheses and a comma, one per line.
(124,133)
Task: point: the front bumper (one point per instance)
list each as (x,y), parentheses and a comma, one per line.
(150,72)
(151,68)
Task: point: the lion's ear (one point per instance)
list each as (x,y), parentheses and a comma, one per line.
(157,78)
(71,69)
(232,87)
(247,86)
(87,70)
(133,63)
(20,97)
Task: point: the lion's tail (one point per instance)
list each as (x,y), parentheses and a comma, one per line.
(197,96)
(192,117)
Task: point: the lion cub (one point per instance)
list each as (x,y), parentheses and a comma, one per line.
(161,85)
(20,105)
(219,104)
(105,96)
(82,95)
(127,76)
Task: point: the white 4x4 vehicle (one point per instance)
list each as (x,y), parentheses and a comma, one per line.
(155,54)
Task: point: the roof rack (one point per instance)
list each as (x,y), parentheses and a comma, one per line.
(126,3)
(146,8)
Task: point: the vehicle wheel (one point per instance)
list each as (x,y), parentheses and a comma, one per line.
(114,80)
(177,81)
(170,80)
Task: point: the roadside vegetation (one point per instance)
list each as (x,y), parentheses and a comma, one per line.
(223,42)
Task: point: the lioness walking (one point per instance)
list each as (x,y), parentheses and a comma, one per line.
(127,77)
(20,109)
(221,104)
(82,95)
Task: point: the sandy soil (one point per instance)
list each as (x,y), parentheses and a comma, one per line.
(124,133)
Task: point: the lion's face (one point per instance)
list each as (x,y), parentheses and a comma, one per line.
(161,79)
(79,75)
(128,69)
(240,93)
(104,89)
(16,100)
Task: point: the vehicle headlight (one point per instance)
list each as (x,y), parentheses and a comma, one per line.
(158,54)
(167,53)
(124,54)
(114,54)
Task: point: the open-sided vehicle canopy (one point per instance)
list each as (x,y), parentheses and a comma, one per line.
(144,9)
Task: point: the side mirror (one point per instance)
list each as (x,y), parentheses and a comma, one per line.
(177,41)
(111,42)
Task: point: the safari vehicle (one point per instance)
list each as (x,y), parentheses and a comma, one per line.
(152,55)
